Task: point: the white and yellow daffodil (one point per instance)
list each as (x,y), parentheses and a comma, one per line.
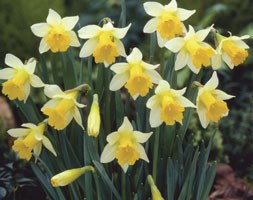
(167,21)
(103,43)
(210,104)
(62,108)
(56,33)
(125,146)
(167,105)
(192,51)
(20,77)
(94,120)
(230,49)
(137,75)
(66,177)
(31,138)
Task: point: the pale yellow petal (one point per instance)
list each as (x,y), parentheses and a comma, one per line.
(13,61)
(48,145)
(120,32)
(108,154)
(69,22)
(89,31)
(153,8)
(88,48)
(40,29)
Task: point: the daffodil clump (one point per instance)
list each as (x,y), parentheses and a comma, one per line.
(131,119)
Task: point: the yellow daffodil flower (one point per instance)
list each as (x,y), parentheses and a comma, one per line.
(167,105)
(62,108)
(230,49)
(192,50)
(125,146)
(31,138)
(66,177)
(167,21)
(103,43)
(57,33)
(93,124)
(156,195)
(20,77)
(137,75)
(210,104)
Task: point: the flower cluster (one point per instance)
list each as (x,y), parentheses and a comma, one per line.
(137,76)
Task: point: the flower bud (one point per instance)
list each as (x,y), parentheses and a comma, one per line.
(68,176)
(156,195)
(93,124)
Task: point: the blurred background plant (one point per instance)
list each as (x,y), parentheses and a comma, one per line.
(232,143)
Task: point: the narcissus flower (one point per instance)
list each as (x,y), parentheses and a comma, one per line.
(62,108)
(137,75)
(103,43)
(93,124)
(57,33)
(230,49)
(19,78)
(156,195)
(210,102)
(167,21)
(167,105)
(125,146)
(68,176)
(31,138)
(192,50)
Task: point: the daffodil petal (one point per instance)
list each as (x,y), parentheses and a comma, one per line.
(30,67)
(52,90)
(120,47)
(142,137)
(126,125)
(44,47)
(53,17)
(88,48)
(108,154)
(112,138)
(154,76)
(69,22)
(48,145)
(223,95)
(7,73)
(184,14)
(120,32)
(153,8)
(213,81)
(89,31)
(153,102)
(241,44)
(202,116)
(175,44)
(27,89)
(202,34)
(118,81)
(18,132)
(185,102)
(77,117)
(142,152)
(172,6)
(227,60)
(37,149)
(151,25)
(125,167)
(163,86)
(74,40)
(29,125)
(183,58)
(154,118)
(40,29)
(192,67)
(119,68)
(36,81)
(161,41)
(135,56)
(216,61)
(13,61)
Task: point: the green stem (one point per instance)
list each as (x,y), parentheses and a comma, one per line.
(155,154)
(123,13)
(107,102)
(98,189)
(90,71)
(162,63)
(123,185)
(152,47)
(81,72)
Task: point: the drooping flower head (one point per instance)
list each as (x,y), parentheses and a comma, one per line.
(93,123)
(19,78)
(210,102)
(125,146)
(137,75)
(62,108)
(56,33)
(167,21)
(66,177)
(103,43)
(31,138)
(230,49)
(192,51)
(167,105)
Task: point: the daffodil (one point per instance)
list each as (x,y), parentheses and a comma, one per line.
(156,195)
(66,177)
(103,43)
(20,77)
(62,108)
(31,138)
(167,105)
(210,102)
(93,124)
(192,51)
(56,33)
(167,21)
(137,75)
(125,146)
(230,49)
